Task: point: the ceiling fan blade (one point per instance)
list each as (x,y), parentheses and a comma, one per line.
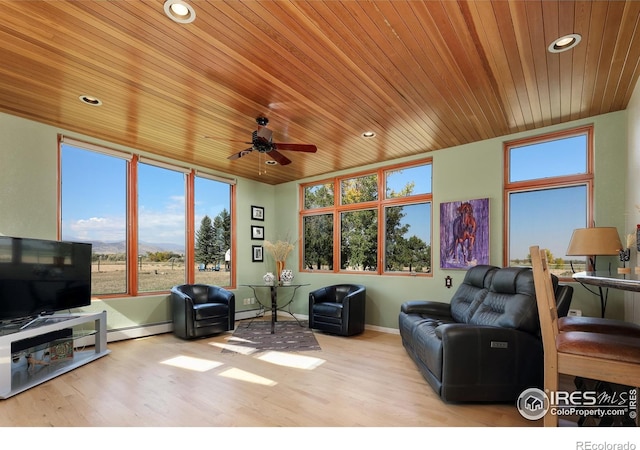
(310,148)
(240,154)
(279,158)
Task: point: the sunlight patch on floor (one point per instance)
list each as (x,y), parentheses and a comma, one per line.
(191,363)
(291,360)
(235,348)
(243,375)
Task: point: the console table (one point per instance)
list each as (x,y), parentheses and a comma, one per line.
(607,280)
(273,291)
(16,342)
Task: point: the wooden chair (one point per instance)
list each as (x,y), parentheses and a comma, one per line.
(606,357)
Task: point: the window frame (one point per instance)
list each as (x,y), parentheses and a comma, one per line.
(564,181)
(132,162)
(379,204)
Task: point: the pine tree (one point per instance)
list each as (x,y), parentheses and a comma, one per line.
(205,242)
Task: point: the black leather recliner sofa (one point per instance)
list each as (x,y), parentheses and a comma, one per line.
(483,346)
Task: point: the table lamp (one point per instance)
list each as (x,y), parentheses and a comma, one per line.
(591,242)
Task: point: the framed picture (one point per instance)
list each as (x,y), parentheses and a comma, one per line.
(464,233)
(256,253)
(257,213)
(257,232)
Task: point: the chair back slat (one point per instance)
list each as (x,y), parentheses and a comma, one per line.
(545,298)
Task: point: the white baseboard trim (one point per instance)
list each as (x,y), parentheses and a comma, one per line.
(167,327)
(128,333)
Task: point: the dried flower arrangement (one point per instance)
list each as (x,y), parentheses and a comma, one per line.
(279,249)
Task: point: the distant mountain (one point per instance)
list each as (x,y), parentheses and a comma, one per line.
(108,248)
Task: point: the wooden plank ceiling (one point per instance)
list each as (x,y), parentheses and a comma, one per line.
(423,75)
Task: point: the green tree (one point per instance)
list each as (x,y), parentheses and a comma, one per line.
(319,196)
(205,242)
(318,241)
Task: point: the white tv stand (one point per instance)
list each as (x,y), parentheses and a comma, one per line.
(15,380)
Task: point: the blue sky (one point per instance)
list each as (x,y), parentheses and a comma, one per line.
(94,199)
(547,218)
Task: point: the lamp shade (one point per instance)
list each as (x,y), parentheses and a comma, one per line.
(594,241)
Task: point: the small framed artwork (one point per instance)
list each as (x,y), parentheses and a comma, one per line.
(257,232)
(257,213)
(256,253)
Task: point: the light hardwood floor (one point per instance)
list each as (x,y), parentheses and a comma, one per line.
(362,381)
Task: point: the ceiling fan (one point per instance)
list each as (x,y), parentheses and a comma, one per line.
(262,142)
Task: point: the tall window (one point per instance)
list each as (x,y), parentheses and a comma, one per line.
(161,228)
(171,208)
(379,222)
(212,232)
(94,209)
(548,193)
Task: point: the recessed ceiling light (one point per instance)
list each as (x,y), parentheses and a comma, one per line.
(564,43)
(179,11)
(270,162)
(368,134)
(89,100)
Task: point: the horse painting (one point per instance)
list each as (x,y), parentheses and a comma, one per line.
(464,233)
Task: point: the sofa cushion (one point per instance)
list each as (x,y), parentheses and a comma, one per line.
(471,292)
(510,302)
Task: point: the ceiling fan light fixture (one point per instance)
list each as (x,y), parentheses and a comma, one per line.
(369,134)
(90,100)
(179,11)
(564,43)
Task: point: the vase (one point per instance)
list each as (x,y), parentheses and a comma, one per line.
(286,276)
(269,279)
(279,268)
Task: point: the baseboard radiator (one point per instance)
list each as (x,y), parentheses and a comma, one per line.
(122,334)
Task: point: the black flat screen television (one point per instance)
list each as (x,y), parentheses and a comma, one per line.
(40,277)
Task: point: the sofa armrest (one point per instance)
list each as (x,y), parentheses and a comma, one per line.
(426,307)
(504,358)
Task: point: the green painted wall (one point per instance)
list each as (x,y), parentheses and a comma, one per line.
(28,161)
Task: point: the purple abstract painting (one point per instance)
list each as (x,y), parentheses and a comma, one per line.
(464,234)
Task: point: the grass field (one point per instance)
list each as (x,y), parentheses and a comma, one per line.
(152,277)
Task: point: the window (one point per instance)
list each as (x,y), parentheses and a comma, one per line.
(212,232)
(548,193)
(94,209)
(366,231)
(179,221)
(161,228)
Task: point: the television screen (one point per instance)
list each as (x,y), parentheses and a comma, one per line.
(41,277)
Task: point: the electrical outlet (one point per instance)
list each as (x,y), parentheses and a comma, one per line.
(574,312)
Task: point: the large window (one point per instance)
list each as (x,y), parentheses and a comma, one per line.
(548,193)
(161,227)
(152,225)
(94,209)
(379,222)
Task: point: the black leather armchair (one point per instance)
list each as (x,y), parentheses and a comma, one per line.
(338,309)
(201,310)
